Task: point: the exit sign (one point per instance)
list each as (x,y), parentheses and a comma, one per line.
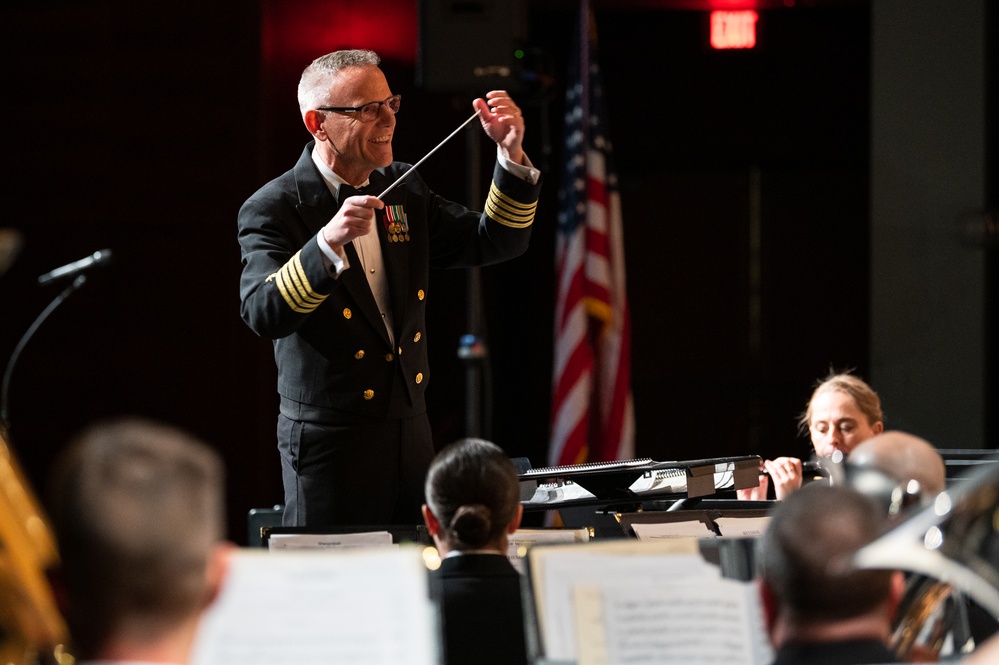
(733,29)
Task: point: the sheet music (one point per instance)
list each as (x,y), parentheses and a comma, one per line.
(665,530)
(671,480)
(706,622)
(725,476)
(636,478)
(314,608)
(328,541)
(562,569)
(742,527)
(559,491)
(589,623)
(520,542)
(551,471)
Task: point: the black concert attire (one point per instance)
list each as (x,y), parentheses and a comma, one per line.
(847,652)
(482,618)
(353,433)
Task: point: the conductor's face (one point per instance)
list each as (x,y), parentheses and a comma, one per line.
(355,143)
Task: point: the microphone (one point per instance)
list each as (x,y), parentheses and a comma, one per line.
(97,259)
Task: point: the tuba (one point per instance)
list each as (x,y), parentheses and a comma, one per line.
(951,550)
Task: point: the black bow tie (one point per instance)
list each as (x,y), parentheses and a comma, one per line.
(347,191)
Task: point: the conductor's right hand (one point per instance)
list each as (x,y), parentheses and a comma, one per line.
(354,219)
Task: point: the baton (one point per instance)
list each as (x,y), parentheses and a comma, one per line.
(413,167)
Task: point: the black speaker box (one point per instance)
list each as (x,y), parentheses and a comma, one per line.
(470,46)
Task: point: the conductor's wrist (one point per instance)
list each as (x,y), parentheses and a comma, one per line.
(334,258)
(513,156)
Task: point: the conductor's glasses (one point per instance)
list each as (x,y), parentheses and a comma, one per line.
(369,111)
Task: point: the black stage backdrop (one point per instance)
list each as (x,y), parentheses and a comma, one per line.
(142,127)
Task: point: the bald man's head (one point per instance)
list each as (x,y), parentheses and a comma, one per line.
(903,457)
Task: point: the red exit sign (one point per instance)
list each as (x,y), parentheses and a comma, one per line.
(733,29)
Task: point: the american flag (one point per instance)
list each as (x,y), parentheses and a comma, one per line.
(592,415)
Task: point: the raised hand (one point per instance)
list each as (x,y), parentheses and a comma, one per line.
(503,123)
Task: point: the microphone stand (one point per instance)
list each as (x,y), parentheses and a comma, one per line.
(473,349)
(76,284)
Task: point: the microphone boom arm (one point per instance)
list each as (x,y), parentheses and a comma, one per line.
(76,284)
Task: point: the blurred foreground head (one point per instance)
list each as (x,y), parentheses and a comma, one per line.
(138,510)
(904,462)
(808,588)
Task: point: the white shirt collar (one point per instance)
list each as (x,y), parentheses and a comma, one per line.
(332,179)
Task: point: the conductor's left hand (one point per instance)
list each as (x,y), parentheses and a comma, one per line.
(503,123)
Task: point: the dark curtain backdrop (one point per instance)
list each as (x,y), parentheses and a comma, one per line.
(142,128)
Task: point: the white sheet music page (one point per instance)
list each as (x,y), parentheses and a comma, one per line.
(742,527)
(328,541)
(566,570)
(559,491)
(706,622)
(365,607)
(665,530)
(521,541)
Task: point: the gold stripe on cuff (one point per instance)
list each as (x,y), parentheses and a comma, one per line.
(295,287)
(507,211)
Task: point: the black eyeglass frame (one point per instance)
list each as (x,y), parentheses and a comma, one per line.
(360,109)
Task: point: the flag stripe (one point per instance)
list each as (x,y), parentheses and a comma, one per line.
(592,409)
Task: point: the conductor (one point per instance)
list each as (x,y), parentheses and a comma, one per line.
(336,272)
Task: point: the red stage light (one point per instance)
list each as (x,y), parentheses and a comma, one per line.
(306,29)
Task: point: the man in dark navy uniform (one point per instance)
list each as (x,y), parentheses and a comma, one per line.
(338,278)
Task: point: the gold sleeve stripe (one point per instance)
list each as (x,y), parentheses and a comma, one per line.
(301,282)
(507,211)
(295,288)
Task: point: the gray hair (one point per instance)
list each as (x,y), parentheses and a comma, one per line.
(314,87)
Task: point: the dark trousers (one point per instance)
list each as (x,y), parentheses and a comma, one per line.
(368,473)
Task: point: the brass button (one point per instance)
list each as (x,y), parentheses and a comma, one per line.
(369,393)
(416,337)
(359,354)
(419,377)
(389,357)
(347,313)
(399,350)
(420,294)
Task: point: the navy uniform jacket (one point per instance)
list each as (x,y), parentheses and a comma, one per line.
(330,344)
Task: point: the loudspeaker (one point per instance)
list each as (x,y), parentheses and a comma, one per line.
(471,45)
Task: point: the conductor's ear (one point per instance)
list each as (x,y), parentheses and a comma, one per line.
(314,123)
